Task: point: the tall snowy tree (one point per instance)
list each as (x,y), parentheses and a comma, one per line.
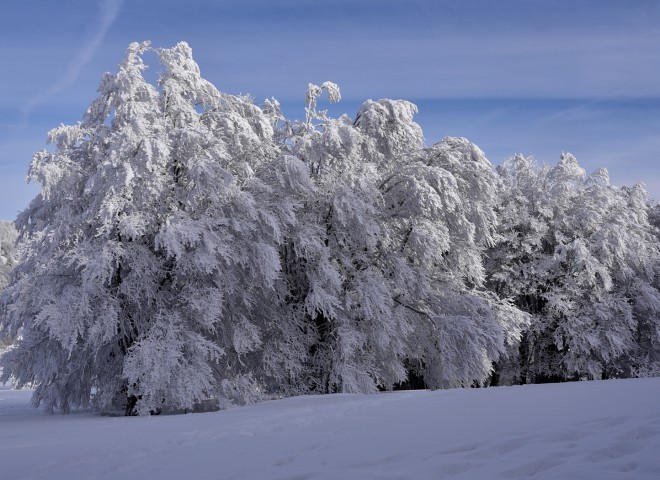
(577,254)
(8,254)
(393,282)
(145,245)
(356,333)
(439,205)
(8,259)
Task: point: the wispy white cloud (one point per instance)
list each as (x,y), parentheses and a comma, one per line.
(580,113)
(108,10)
(371,61)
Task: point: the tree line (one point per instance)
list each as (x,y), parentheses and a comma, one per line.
(188,245)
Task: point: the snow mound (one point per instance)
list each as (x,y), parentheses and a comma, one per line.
(588,430)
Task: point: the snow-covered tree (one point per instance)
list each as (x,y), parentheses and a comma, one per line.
(145,246)
(579,255)
(439,205)
(393,282)
(8,259)
(8,255)
(333,262)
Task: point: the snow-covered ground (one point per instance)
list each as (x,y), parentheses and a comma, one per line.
(589,430)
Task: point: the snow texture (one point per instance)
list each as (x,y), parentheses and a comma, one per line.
(584,430)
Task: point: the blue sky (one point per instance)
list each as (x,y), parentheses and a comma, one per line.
(514,76)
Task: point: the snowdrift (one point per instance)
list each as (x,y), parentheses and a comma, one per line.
(588,430)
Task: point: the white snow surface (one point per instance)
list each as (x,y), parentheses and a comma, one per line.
(587,430)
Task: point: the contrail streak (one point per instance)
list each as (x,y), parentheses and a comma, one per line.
(108,11)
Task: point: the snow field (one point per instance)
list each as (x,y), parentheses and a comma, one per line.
(589,430)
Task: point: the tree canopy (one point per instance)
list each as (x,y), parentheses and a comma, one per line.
(188,244)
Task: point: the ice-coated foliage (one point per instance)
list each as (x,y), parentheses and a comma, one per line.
(151,247)
(190,246)
(579,255)
(8,259)
(8,255)
(439,207)
(389,128)
(333,262)
(385,265)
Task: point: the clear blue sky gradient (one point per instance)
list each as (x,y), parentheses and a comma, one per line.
(514,76)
